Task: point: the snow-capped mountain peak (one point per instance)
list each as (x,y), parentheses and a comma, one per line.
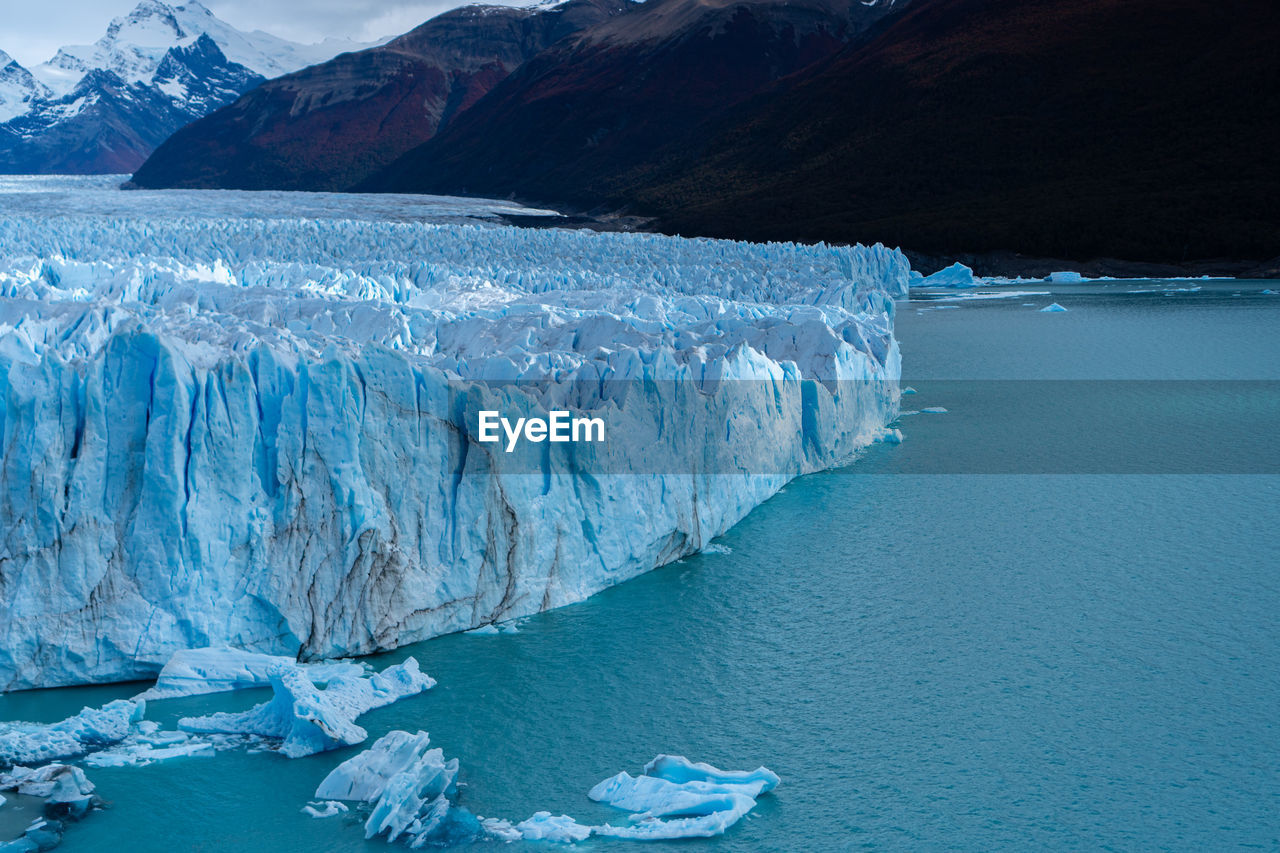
(135,44)
(17,88)
(106,106)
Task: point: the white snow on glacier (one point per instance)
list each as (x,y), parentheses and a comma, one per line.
(261,432)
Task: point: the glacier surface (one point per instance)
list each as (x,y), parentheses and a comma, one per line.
(261,432)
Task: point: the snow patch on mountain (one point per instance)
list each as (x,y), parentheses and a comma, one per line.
(135,45)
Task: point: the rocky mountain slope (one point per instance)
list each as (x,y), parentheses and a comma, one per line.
(332,125)
(105,107)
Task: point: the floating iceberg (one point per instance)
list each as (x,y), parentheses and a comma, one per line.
(68,796)
(410,787)
(675,798)
(92,728)
(197,671)
(934,410)
(956,275)
(1052,309)
(263,433)
(411,790)
(308,719)
(1066,277)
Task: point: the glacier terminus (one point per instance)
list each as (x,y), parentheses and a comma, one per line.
(261,432)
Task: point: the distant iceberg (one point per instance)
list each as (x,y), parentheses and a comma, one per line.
(957,275)
(1052,309)
(1065,277)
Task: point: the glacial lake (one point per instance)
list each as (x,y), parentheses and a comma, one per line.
(1049,619)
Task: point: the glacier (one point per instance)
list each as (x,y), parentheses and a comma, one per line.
(260,432)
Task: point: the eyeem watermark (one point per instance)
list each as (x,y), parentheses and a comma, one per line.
(560,426)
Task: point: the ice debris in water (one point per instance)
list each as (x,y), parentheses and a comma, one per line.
(544,826)
(675,798)
(1052,309)
(192,672)
(716,548)
(240,427)
(934,410)
(410,788)
(957,275)
(308,719)
(1064,277)
(68,796)
(92,728)
(908,390)
(148,744)
(325,808)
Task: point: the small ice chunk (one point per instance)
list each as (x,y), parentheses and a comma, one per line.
(484,630)
(142,754)
(309,719)
(1064,277)
(543,826)
(193,672)
(908,390)
(1052,309)
(653,829)
(956,275)
(934,410)
(715,548)
(66,791)
(326,808)
(889,436)
(1268,292)
(499,829)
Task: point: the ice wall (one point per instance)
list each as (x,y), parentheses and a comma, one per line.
(262,433)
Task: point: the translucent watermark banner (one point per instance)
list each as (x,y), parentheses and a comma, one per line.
(785,426)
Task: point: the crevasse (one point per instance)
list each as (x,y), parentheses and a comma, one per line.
(261,433)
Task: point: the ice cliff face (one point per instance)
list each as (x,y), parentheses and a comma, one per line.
(262,433)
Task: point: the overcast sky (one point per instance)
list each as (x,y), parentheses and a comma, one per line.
(31,31)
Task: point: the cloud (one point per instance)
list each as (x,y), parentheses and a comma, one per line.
(33,32)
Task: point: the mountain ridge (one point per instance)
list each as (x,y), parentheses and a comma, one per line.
(103,108)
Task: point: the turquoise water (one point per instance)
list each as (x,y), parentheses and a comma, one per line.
(1036,659)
